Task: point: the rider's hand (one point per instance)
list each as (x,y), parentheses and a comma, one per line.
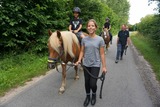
(75,31)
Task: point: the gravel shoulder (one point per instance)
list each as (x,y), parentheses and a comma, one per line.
(148,76)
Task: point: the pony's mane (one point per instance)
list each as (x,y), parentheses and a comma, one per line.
(68,39)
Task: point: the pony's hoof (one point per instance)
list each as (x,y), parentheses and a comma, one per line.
(76,78)
(61,90)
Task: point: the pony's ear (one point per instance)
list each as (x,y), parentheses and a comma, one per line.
(49,32)
(58,34)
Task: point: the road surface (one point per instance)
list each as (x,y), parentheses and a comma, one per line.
(123,87)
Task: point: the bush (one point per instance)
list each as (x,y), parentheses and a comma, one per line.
(149,26)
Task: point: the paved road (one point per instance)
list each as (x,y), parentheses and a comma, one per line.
(123,87)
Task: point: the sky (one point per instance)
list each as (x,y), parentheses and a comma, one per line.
(139,9)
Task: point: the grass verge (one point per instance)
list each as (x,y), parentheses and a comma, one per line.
(146,48)
(16,70)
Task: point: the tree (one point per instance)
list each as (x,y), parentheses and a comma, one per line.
(150,27)
(158,4)
(24,23)
(121,8)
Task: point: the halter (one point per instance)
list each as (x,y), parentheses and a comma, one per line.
(55,61)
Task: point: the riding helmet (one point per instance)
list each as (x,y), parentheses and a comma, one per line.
(107,19)
(77,9)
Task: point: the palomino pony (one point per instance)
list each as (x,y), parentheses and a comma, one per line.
(106,37)
(63,47)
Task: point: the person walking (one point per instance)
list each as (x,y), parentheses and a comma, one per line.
(122,42)
(93,55)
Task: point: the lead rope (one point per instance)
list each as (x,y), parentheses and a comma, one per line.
(125,49)
(102,78)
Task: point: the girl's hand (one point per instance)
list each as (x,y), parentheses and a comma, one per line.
(78,62)
(104,70)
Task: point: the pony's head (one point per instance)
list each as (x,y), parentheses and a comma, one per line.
(54,43)
(60,46)
(105,34)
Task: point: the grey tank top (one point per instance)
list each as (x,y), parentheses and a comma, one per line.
(92,51)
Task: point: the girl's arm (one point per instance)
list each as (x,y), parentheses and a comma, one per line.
(80,55)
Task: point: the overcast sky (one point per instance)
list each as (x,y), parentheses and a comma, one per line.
(139,9)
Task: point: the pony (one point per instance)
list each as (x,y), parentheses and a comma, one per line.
(106,37)
(63,47)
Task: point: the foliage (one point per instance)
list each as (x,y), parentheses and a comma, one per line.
(98,11)
(18,69)
(158,4)
(24,22)
(120,8)
(150,27)
(146,47)
(132,27)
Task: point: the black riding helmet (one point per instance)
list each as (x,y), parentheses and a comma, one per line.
(77,9)
(107,19)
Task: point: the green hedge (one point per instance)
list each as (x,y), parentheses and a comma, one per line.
(150,27)
(24,23)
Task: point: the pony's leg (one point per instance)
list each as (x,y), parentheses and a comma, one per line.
(107,46)
(62,88)
(105,49)
(76,73)
(107,43)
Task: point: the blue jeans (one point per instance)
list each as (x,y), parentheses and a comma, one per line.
(120,51)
